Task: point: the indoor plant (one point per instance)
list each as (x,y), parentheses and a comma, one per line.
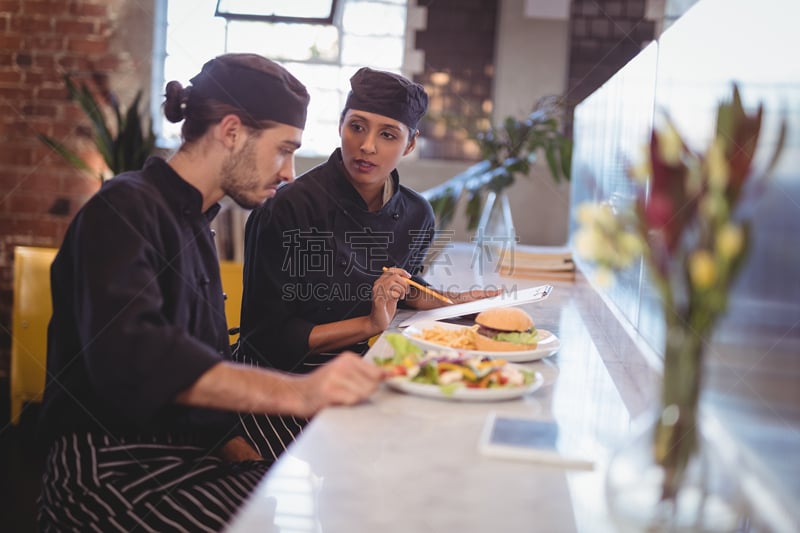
(690,223)
(507,152)
(125,146)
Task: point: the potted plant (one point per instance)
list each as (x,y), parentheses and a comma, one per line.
(123,147)
(508,151)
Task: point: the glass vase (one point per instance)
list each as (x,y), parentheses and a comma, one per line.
(666,477)
(495,236)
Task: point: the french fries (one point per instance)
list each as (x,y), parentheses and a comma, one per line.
(464,338)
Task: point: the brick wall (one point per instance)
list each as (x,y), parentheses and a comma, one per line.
(40,41)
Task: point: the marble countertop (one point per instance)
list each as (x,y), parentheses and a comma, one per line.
(401,463)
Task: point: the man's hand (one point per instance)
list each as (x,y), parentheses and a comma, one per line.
(346,380)
(238,449)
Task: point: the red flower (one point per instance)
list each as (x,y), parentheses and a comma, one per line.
(669,207)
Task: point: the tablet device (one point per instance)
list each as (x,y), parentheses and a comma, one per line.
(514,437)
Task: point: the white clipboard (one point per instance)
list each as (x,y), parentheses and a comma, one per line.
(506,299)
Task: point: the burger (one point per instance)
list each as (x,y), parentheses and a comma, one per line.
(505,329)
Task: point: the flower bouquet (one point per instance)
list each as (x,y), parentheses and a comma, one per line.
(690,223)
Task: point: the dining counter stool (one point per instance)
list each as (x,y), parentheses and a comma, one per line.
(30,316)
(231,273)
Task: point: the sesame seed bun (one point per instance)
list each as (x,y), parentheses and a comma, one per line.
(505,319)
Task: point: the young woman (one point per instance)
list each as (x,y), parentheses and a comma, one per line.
(314,282)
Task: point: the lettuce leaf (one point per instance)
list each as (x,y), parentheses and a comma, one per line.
(518,337)
(402,346)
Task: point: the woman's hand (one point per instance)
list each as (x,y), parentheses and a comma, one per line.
(387,290)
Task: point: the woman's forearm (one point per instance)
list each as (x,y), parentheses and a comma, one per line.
(335,335)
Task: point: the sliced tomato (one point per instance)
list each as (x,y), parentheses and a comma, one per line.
(395,370)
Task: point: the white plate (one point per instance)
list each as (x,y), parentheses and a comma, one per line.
(548,343)
(464,394)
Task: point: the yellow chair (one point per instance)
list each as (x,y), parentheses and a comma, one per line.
(232,273)
(30,315)
(33,307)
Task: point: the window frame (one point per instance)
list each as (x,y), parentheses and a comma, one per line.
(166,137)
(227,15)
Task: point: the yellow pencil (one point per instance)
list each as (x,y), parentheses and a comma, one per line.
(425,289)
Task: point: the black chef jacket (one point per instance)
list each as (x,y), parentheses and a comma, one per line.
(138,312)
(312,254)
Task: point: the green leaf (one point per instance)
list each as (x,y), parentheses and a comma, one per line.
(474,205)
(444,206)
(773,162)
(102,134)
(552,163)
(68,155)
(510,148)
(402,345)
(131,146)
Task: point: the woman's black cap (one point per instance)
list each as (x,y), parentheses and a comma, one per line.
(387,94)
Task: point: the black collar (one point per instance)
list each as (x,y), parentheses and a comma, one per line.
(182,196)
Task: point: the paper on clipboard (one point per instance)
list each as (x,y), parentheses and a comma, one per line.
(506,299)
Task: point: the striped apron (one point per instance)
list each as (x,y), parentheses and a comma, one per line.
(270,435)
(97,483)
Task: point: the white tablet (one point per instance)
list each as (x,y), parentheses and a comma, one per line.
(513,437)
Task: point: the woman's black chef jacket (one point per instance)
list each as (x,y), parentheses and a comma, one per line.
(138,312)
(312,254)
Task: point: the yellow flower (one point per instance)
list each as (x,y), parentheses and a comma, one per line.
(587,243)
(670,145)
(714,206)
(585,213)
(630,245)
(694,179)
(717,165)
(606,220)
(702,269)
(642,170)
(603,277)
(730,241)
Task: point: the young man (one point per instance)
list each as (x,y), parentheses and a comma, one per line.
(140,402)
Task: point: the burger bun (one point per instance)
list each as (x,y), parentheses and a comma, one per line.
(503,320)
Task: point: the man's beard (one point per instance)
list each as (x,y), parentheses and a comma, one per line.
(240,176)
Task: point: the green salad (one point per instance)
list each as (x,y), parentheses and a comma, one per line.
(450,370)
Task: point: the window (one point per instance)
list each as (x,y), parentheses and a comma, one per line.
(322,56)
(310,11)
